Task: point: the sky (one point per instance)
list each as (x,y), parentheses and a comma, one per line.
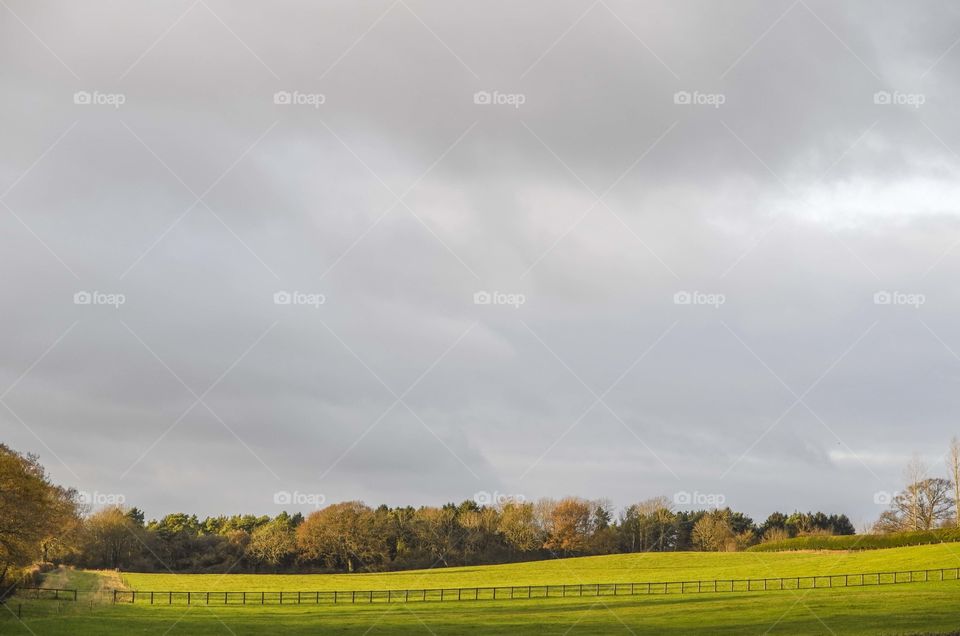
(269,256)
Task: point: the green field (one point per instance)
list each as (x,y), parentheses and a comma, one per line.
(890,609)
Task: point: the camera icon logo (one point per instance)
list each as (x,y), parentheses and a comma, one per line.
(282,97)
(282,498)
(882,498)
(682,97)
(882,297)
(82,97)
(482,298)
(682,298)
(482,97)
(82,298)
(682,498)
(882,97)
(282,298)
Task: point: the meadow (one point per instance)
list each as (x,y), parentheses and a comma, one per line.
(889,609)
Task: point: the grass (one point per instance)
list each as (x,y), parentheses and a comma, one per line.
(893,609)
(618,568)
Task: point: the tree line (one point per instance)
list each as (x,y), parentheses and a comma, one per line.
(352,536)
(44,522)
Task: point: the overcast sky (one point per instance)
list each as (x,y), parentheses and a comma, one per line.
(683,214)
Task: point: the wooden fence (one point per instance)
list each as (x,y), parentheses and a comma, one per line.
(53,593)
(502,593)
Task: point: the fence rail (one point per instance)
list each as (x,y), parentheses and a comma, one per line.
(53,593)
(502,593)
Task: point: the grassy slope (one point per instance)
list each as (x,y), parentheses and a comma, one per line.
(900,609)
(621,568)
(904,609)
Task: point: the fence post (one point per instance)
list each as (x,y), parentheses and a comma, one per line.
(188,598)
(114,596)
(151,598)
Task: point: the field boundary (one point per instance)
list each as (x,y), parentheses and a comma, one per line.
(510,592)
(52,593)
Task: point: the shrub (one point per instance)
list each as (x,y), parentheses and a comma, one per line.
(861,541)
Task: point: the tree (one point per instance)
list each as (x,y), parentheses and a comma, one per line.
(953,466)
(649,525)
(570,526)
(33,511)
(438,532)
(111,538)
(518,525)
(480,530)
(921,506)
(343,536)
(273,543)
(714,532)
(909,500)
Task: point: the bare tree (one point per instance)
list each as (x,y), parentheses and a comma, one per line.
(909,503)
(953,467)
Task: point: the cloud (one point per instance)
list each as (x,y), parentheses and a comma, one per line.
(589,188)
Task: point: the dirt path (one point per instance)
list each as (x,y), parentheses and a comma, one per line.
(97,585)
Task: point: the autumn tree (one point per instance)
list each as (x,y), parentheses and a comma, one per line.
(343,536)
(570,526)
(649,525)
(272,544)
(713,532)
(110,539)
(33,511)
(438,532)
(519,528)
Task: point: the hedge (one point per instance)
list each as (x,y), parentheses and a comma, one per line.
(861,541)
